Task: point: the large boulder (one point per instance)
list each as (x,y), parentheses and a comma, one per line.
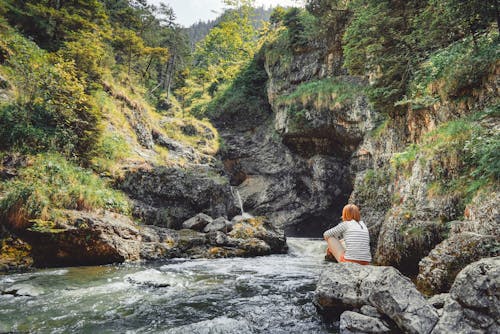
(167,196)
(344,287)
(197,222)
(476,237)
(83,238)
(260,228)
(439,269)
(474,306)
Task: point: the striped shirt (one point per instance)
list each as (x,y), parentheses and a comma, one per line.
(356,237)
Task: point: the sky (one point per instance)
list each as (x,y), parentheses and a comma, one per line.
(191,11)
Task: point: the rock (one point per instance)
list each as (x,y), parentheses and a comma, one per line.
(439,300)
(344,287)
(355,323)
(150,278)
(168,196)
(198,222)
(23,290)
(261,228)
(439,269)
(219,224)
(474,306)
(15,254)
(370,311)
(217,238)
(84,238)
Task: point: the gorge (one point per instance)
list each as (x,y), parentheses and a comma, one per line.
(207,193)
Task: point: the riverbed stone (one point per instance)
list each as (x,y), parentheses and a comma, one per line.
(347,286)
(474,306)
(356,323)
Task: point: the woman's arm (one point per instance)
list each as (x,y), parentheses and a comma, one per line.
(336,232)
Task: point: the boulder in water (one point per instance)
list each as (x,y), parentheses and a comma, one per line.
(348,286)
(23,290)
(149,278)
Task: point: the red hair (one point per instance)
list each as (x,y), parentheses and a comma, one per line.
(351,212)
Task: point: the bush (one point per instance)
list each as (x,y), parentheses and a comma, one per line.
(454,71)
(52,110)
(51,183)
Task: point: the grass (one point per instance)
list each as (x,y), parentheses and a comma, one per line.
(322,94)
(464,156)
(406,158)
(51,183)
(200,134)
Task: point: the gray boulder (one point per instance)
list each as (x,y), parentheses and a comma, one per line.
(219,224)
(439,269)
(474,306)
(355,323)
(84,238)
(197,222)
(344,287)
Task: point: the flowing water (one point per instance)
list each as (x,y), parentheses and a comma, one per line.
(270,294)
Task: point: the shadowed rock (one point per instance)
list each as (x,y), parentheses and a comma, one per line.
(349,286)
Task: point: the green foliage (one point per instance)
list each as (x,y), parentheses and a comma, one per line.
(51,183)
(91,57)
(464,156)
(387,40)
(455,70)
(246,95)
(52,110)
(50,23)
(219,57)
(405,159)
(377,43)
(324,93)
(302,27)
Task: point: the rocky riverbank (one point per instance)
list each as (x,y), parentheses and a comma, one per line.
(104,238)
(368,299)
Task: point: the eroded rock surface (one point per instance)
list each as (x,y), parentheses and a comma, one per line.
(345,287)
(474,303)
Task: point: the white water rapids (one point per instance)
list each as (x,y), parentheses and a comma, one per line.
(271,294)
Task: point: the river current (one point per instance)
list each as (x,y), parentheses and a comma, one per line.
(271,294)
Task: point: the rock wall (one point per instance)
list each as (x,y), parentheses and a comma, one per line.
(296,170)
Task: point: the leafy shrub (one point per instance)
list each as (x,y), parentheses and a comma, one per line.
(455,70)
(52,110)
(51,183)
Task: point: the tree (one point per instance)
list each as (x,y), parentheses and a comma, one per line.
(378,43)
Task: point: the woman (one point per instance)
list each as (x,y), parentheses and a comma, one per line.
(355,235)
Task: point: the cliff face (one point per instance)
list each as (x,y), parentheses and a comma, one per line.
(323,145)
(293,164)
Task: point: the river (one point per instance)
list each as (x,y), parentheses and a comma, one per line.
(269,294)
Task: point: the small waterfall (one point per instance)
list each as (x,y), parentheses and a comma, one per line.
(236,194)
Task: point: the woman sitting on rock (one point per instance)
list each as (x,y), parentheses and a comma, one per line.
(355,236)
